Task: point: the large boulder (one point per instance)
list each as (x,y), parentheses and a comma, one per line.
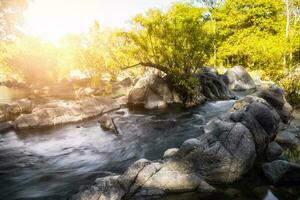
(225,152)
(11,111)
(152,92)
(276,98)
(106,122)
(282,172)
(274,151)
(213,86)
(61,112)
(289,136)
(238,79)
(259,117)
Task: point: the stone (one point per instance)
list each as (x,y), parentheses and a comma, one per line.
(9,112)
(275,97)
(280,172)
(106,122)
(273,151)
(170,152)
(238,79)
(62,112)
(286,137)
(152,92)
(259,117)
(225,152)
(212,85)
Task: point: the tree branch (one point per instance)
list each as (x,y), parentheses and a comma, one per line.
(147,64)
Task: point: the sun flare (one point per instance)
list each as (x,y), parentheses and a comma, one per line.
(52,19)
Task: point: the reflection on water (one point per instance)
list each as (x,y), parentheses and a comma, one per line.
(7,95)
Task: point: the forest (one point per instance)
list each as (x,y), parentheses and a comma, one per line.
(262,36)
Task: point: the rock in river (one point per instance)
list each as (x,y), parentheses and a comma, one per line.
(213,86)
(152,92)
(61,112)
(11,111)
(222,154)
(276,98)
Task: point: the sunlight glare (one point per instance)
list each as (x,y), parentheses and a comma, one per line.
(52,19)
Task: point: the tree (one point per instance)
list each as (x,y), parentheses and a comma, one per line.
(292,35)
(10,16)
(252,33)
(36,61)
(211,5)
(174,42)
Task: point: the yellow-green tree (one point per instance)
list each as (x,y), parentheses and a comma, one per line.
(174,42)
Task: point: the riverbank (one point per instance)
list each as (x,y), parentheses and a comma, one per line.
(67,155)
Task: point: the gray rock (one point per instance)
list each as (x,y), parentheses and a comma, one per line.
(213,86)
(273,151)
(286,137)
(9,112)
(152,92)
(170,153)
(225,152)
(281,172)
(275,97)
(238,79)
(62,112)
(259,117)
(106,122)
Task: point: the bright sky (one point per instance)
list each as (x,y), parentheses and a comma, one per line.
(51,19)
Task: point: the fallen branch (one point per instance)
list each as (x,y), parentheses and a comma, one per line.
(115,127)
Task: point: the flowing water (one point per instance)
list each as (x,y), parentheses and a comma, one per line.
(54,163)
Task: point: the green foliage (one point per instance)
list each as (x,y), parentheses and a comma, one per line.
(291,84)
(261,35)
(248,31)
(175,42)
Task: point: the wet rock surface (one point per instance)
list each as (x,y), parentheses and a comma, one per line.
(213,86)
(61,112)
(223,154)
(12,110)
(152,92)
(282,172)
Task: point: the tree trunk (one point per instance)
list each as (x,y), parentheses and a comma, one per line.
(287,29)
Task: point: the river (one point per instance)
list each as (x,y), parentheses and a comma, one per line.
(54,163)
